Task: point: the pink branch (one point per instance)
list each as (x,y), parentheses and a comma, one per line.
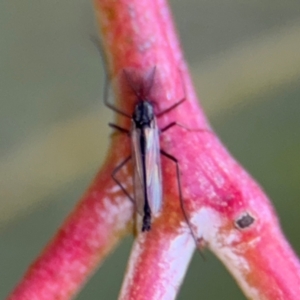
(226,209)
(98,222)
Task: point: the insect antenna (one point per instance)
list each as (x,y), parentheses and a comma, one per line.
(144,86)
(150,81)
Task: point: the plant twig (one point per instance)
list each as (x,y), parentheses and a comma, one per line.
(226,209)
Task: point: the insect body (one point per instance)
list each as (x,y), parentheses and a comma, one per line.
(146,162)
(145,153)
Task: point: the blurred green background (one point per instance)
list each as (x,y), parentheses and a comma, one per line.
(245,61)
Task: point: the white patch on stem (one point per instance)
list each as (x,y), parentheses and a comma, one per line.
(208,225)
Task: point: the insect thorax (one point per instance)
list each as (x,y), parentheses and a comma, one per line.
(143,113)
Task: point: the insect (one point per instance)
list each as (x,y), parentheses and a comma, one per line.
(145,150)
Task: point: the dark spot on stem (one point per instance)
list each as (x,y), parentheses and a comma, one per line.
(244,221)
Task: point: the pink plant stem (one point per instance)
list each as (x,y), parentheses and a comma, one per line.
(226,209)
(97,223)
(218,194)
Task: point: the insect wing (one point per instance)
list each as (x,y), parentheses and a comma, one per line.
(153,168)
(138,170)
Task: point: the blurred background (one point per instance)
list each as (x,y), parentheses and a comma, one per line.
(245,62)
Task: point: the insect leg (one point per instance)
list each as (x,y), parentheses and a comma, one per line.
(172,124)
(113,175)
(177,103)
(121,129)
(168,126)
(170,108)
(97,43)
(109,105)
(175,160)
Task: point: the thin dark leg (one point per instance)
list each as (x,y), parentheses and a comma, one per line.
(177,103)
(168,126)
(111,106)
(121,129)
(97,43)
(170,108)
(113,175)
(172,124)
(175,160)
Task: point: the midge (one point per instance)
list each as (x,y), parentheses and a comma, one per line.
(145,149)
